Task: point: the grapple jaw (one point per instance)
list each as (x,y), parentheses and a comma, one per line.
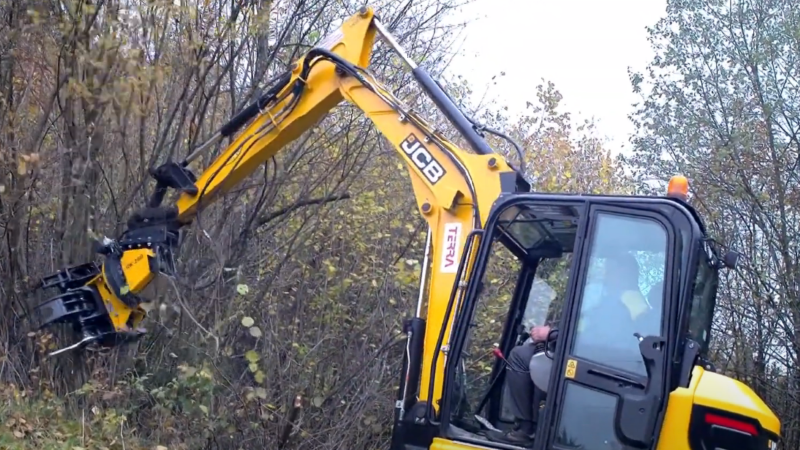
(79,304)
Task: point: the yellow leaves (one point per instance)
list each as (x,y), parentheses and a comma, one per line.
(407,272)
(76,89)
(20,426)
(330,266)
(247,321)
(35,16)
(259,377)
(252,358)
(261,393)
(565,155)
(258,392)
(24,161)
(187,370)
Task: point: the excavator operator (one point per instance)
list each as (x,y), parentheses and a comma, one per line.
(620,297)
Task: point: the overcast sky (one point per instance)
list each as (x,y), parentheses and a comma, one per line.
(583,46)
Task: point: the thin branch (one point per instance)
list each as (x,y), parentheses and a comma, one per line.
(267,218)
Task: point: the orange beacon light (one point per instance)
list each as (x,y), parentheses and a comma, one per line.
(678,187)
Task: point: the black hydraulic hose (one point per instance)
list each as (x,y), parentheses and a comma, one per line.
(479,128)
(451,111)
(254,108)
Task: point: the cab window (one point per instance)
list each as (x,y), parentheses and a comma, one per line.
(544,306)
(544,235)
(622,295)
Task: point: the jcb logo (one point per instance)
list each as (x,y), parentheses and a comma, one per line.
(423,159)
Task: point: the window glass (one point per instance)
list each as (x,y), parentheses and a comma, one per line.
(547,234)
(587,419)
(546,293)
(545,300)
(703,301)
(474,380)
(622,295)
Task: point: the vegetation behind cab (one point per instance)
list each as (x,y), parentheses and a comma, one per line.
(282,330)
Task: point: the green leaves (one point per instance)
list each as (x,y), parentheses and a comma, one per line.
(252,357)
(248,322)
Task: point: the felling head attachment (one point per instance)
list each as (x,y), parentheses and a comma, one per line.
(80,305)
(102,303)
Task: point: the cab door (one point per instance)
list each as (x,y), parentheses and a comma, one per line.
(607,382)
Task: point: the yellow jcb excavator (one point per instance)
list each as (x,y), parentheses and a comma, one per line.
(612,379)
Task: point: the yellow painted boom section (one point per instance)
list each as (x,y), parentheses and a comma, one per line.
(449,213)
(253,147)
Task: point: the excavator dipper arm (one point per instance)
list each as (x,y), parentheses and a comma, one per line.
(454,190)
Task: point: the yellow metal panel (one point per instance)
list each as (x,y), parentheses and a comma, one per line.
(444,444)
(718,391)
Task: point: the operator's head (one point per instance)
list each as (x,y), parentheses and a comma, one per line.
(622,271)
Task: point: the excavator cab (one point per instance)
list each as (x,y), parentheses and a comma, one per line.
(627,285)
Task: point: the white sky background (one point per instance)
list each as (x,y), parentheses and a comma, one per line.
(583,46)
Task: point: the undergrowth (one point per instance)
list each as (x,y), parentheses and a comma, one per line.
(47,423)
